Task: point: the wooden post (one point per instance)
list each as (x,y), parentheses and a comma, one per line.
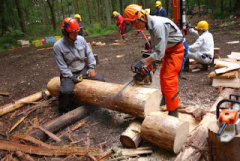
(165,131)
(130,138)
(136,101)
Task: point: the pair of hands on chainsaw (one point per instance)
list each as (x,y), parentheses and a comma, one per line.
(145,61)
(90,73)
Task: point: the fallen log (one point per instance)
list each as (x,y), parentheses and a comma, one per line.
(136,101)
(190,152)
(130,138)
(222,150)
(228,75)
(59,123)
(51,151)
(23,101)
(165,131)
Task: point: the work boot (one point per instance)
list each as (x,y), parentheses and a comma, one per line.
(205,67)
(173,113)
(123,38)
(163,100)
(186,65)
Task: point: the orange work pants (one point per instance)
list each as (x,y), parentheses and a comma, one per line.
(171,65)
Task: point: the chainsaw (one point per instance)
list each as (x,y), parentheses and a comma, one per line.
(144,75)
(228,118)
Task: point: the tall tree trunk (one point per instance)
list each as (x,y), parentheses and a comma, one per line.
(237,5)
(114,5)
(20,14)
(167,6)
(42,8)
(51,6)
(2,20)
(75,6)
(63,13)
(199,8)
(58,19)
(230,6)
(222,7)
(68,8)
(107,8)
(89,4)
(143,3)
(121,6)
(148,4)
(96,10)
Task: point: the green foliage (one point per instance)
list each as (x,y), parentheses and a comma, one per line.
(13,33)
(96,29)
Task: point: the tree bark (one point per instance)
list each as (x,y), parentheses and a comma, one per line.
(68,8)
(130,138)
(63,12)
(59,123)
(76,6)
(136,101)
(20,103)
(165,131)
(3,26)
(121,7)
(89,4)
(20,14)
(107,9)
(58,18)
(51,6)
(42,8)
(222,150)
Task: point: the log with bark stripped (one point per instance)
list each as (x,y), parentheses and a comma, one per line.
(130,138)
(165,131)
(136,101)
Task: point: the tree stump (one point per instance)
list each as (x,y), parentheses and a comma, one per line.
(130,138)
(220,150)
(165,131)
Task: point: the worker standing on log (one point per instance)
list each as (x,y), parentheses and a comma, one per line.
(69,53)
(203,49)
(121,26)
(167,45)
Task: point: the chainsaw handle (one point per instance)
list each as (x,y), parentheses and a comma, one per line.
(221,128)
(223,101)
(234,95)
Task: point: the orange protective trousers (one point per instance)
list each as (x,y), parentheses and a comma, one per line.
(171,65)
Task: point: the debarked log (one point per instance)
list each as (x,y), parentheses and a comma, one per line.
(165,131)
(136,101)
(130,138)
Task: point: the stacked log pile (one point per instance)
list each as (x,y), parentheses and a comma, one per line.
(227,72)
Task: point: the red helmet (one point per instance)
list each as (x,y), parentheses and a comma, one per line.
(70,25)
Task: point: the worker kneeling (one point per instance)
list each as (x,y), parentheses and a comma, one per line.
(69,53)
(202,50)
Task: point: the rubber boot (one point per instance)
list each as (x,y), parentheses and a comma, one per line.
(163,100)
(186,65)
(173,113)
(123,38)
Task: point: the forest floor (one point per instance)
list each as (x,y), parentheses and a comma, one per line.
(28,70)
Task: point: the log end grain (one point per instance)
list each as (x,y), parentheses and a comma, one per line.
(181,136)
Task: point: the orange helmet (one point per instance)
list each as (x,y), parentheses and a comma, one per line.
(132,13)
(70,25)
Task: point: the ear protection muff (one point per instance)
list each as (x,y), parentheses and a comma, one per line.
(64,32)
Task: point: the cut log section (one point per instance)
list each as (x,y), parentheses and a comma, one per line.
(23,101)
(230,83)
(165,131)
(59,123)
(228,75)
(130,138)
(136,101)
(223,151)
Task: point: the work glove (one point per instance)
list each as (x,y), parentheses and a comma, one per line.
(77,79)
(91,73)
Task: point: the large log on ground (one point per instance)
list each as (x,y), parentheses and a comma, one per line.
(165,131)
(136,101)
(59,123)
(130,138)
(23,101)
(220,150)
(197,143)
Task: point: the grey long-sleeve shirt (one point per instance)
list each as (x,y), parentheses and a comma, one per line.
(70,56)
(164,33)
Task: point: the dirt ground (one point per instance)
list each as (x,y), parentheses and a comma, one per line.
(28,70)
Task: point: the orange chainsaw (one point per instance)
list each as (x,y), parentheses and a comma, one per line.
(228,118)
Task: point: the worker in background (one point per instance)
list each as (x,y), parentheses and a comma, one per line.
(121,26)
(202,51)
(160,10)
(79,20)
(69,53)
(167,45)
